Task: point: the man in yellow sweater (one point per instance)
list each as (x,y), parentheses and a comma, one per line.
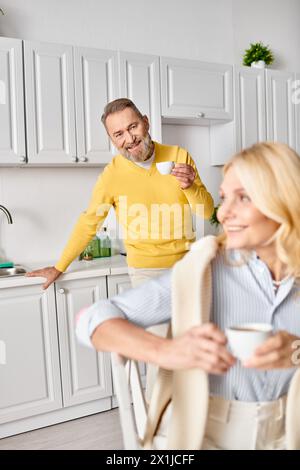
(154,210)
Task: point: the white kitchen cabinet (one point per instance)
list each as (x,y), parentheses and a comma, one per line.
(116,285)
(86,374)
(30,378)
(140,81)
(96,83)
(46,375)
(66,91)
(12,127)
(280,107)
(50,111)
(250,106)
(196,90)
(250,121)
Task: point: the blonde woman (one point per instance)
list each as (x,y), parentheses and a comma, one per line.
(251,273)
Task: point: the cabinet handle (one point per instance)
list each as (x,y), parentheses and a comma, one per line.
(74,159)
(61,291)
(199,115)
(22,159)
(83,159)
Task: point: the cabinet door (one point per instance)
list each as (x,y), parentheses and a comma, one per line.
(96,83)
(86,374)
(50,114)
(194,89)
(30,375)
(280,107)
(12,128)
(116,285)
(250,106)
(139,81)
(296,101)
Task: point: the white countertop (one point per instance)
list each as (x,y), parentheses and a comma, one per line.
(110,266)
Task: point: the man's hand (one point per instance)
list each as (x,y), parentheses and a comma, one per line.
(185,174)
(202,347)
(277,352)
(50,273)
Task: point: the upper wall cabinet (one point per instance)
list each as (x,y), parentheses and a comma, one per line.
(139,81)
(265,109)
(280,107)
(12,130)
(250,106)
(50,112)
(53,79)
(96,83)
(196,90)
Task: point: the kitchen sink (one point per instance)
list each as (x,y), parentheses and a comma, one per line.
(17,270)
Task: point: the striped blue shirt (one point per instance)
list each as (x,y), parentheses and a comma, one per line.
(241,293)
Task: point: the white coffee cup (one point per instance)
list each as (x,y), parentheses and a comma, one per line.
(165,168)
(245,338)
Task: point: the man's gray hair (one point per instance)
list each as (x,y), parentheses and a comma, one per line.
(118,105)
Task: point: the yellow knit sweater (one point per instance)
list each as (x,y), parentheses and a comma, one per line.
(155,213)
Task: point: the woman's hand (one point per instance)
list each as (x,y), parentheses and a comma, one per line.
(280,351)
(202,347)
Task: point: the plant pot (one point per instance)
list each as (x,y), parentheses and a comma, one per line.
(260,64)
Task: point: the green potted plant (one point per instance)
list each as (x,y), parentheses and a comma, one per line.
(258,55)
(213,219)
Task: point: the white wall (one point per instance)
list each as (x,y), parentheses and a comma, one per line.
(196,140)
(180,28)
(46,202)
(274,22)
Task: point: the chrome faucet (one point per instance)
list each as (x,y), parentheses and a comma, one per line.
(7,213)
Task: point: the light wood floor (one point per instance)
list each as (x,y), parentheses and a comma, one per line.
(101,431)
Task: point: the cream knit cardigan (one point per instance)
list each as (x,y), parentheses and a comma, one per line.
(188,389)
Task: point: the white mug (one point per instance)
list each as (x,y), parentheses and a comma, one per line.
(165,168)
(245,338)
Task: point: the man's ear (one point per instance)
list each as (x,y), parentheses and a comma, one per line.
(146,122)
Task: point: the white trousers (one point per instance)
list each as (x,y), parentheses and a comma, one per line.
(237,425)
(139,276)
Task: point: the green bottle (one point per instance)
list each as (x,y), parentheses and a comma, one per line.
(95,247)
(105,243)
(92,250)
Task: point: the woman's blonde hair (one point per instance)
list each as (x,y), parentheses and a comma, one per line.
(270,174)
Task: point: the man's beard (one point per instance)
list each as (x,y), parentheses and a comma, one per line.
(146,151)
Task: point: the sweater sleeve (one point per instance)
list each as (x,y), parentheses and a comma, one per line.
(197,193)
(89,221)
